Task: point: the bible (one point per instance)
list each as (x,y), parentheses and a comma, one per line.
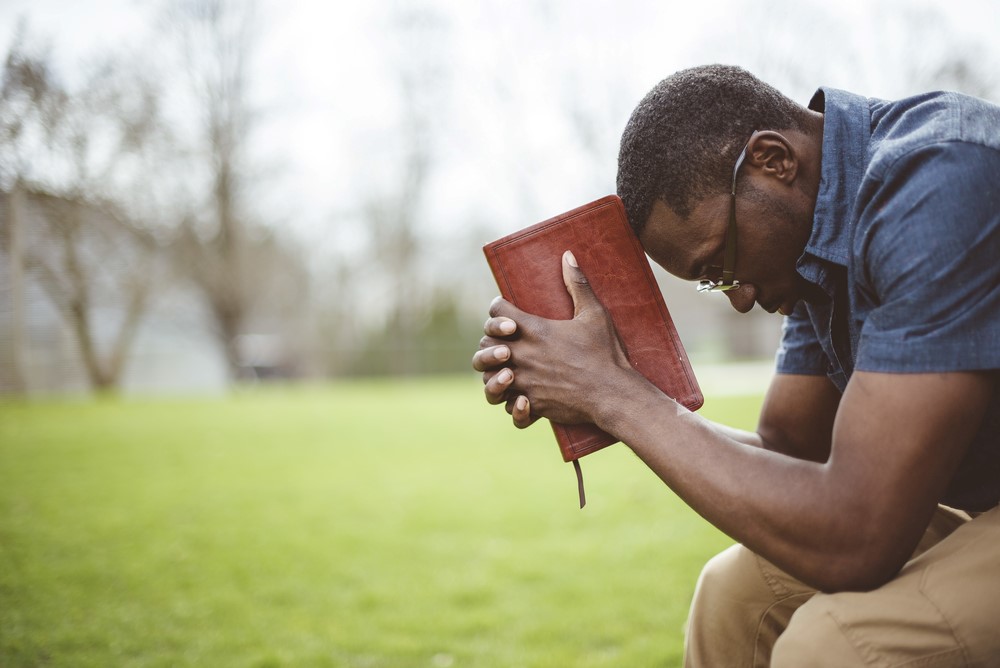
(527,266)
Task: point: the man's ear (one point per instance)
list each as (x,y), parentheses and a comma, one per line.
(772,154)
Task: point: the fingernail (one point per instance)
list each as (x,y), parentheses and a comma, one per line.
(521,403)
(507,326)
(504,376)
(501,353)
(571,259)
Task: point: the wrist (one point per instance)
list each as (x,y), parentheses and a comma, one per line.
(621,399)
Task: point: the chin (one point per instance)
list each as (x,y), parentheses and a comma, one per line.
(770,306)
(788,307)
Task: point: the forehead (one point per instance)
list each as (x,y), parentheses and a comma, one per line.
(682,245)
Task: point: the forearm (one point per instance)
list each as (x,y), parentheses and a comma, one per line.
(777,505)
(755,439)
(843,509)
(750,438)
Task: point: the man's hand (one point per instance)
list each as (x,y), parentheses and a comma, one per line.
(560,369)
(493,360)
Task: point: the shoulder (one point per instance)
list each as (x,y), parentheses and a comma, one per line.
(944,121)
(926,236)
(931,208)
(924,263)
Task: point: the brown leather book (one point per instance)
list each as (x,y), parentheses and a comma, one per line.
(527,266)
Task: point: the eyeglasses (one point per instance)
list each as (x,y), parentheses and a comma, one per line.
(727,282)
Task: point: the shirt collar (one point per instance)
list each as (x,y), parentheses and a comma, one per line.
(846,134)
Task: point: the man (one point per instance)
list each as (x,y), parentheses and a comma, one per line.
(865,504)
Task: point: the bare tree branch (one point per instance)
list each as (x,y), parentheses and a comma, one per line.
(78,243)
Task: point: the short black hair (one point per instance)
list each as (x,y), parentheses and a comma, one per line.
(684,136)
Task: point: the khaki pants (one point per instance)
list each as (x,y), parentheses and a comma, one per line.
(943,609)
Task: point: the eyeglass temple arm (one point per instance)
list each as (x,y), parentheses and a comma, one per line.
(729,262)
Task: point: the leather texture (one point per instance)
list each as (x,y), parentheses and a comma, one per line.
(527,266)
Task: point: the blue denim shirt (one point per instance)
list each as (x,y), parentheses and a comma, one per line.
(906,245)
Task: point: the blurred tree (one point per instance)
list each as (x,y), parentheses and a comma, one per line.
(221,245)
(24,88)
(928,52)
(12,243)
(392,213)
(66,155)
(442,340)
(98,268)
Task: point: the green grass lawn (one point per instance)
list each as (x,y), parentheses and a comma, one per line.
(361,524)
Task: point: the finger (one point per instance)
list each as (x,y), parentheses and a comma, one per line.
(490,358)
(577,285)
(521,412)
(490,341)
(496,387)
(503,309)
(499,327)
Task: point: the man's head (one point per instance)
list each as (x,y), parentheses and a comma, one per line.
(675,173)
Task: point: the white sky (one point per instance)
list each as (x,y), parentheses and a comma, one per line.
(505,154)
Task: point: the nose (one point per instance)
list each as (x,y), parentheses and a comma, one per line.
(742,298)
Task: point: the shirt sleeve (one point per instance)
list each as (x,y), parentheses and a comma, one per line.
(800,351)
(927,262)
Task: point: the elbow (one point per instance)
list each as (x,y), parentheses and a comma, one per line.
(860,579)
(860,570)
(859,553)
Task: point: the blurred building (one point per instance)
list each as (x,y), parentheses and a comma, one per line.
(172,350)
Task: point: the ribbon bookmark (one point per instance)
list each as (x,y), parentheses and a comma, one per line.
(579,482)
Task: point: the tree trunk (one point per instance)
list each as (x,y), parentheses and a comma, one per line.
(15,209)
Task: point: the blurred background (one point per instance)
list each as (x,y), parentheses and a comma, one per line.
(241,282)
(200,192)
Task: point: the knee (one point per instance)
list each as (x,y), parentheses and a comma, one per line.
(736,613)
(746,600)
(726,574)
(729,586)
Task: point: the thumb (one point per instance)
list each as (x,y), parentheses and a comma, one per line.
(577,285)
